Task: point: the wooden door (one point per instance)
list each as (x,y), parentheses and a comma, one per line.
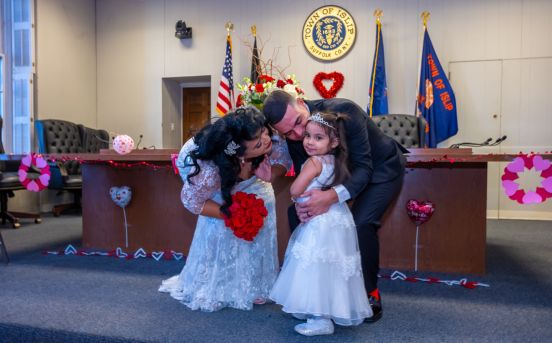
(196,110)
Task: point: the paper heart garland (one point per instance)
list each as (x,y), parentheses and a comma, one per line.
(337,79)
(121,196)
(519,165)
(419,211)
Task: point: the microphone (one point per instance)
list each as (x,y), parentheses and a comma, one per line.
(139,141)
(471,144)
(499,140)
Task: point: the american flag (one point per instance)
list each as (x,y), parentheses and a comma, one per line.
(225,97)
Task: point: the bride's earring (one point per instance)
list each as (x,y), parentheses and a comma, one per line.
(242,160)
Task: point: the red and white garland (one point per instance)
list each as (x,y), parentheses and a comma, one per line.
(120,253)
(396,275)
(40,164)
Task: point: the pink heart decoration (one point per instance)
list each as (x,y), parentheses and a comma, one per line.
(44,178)
(22,175)
(532,198)
(419,211)
(517,165)
(41,163)
(540,163)
(547,184)
(32,186)
(157,255)
(27,160)
(510,187)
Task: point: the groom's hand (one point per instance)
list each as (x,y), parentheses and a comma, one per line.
(318,203)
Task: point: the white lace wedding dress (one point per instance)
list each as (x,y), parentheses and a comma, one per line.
(322,274)
(222,270)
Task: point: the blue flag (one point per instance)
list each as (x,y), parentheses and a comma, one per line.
(378,83)
(436,101)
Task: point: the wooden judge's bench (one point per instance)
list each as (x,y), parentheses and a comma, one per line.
(453,240)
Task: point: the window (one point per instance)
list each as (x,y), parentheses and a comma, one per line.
(17,78)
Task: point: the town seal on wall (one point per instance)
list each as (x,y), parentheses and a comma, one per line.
(329,33)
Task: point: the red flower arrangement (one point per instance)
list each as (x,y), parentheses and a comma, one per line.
(247,215)
(254,94)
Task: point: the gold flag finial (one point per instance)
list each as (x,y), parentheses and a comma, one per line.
(378,13)
(425,17)
(229,27)
(254,30)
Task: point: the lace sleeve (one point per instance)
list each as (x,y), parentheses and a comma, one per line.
(280,153)
(200,187)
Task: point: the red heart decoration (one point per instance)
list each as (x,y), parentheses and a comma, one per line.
(419,211)
(337,79)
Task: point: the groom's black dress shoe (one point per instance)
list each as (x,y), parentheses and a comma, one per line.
(376,309)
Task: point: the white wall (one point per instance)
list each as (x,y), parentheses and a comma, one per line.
(66,60)
(136,48)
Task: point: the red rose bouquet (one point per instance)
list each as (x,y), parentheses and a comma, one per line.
(247,215)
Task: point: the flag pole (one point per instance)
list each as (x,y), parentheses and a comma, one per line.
(378,13)
(425,17)
(230,27)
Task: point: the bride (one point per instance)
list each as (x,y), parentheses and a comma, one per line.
(236,153)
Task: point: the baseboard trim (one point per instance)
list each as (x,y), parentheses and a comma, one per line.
(519,215)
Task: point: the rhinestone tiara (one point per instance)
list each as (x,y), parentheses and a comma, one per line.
(318,118)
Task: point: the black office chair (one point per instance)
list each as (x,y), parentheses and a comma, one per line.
(93,140)
(406,129)
(9,182)
(62,137)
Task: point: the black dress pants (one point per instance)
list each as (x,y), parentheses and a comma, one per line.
(368,209)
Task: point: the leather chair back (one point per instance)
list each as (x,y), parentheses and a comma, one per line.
(59,137)
(93,140)
(407,129)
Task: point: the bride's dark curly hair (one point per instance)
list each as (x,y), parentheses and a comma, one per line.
(239,126)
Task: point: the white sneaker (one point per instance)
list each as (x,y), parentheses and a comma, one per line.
(315,327)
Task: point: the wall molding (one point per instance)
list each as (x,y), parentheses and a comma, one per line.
(520,215)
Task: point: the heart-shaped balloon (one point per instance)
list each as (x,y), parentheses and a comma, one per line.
(419,211)
(121,195)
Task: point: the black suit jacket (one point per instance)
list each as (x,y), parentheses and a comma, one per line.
(373,156)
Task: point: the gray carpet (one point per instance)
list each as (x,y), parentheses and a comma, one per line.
(102,299)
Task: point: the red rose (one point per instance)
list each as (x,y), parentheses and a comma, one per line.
(247,214)
(266,78)
(259,88)
(280,84)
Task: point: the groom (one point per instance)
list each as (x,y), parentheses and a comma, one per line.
(377,168)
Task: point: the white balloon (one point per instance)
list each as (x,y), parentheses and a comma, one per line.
(123,144)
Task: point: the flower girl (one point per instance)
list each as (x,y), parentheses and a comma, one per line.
(321,279)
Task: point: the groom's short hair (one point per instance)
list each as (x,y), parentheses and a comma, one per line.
(275,105)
